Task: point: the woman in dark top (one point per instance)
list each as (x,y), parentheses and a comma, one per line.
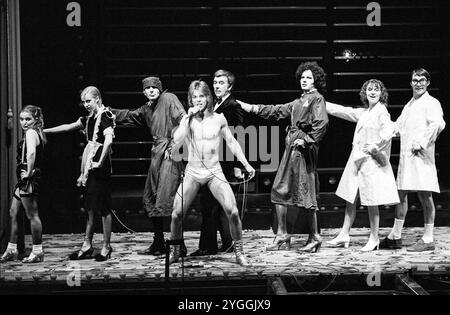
(296,182)
(28,171)
(95,174)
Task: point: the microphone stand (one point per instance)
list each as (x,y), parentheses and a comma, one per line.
(178,242)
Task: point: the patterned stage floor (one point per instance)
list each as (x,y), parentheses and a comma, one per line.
(125,263)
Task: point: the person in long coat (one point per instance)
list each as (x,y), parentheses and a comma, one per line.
(161,114)
(419,125)
(368,172)
(296,181)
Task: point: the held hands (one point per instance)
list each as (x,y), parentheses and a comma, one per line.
(416,148)
(371,149)
(95,165)
(23,174)
(299,143)
(245,106)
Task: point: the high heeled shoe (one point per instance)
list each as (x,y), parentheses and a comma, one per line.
(11,255)
(281,242)
(336,242)
(34,258)
(371,248)
(312,247)
(84,254)
(100,257)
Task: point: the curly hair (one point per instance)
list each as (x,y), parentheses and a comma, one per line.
(203,87)
(318,73)
(377,83)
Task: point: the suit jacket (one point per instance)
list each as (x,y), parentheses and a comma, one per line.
(235,117)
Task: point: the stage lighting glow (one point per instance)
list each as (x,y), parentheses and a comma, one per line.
(348,54)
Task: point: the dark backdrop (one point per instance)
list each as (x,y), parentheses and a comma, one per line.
(120,42)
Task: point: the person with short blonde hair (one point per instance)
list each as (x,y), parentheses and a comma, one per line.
(95,173)
(202,130)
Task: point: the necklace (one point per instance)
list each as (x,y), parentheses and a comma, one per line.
(310,91)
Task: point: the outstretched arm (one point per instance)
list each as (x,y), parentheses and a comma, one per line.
(235,148)
(65,128)
(248,107)
(344,112)
(278,112)
(126,117)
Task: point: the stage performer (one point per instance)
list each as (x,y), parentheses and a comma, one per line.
(368,172)
(213,216)
(161,115)
(418,126)
(296,182)
(26,192)
(95,175)
(202,130)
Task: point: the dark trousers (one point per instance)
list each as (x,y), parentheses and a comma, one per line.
(213,219)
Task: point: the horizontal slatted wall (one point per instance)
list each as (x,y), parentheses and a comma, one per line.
(262,43)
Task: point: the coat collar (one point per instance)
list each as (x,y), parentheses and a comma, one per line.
(224,103)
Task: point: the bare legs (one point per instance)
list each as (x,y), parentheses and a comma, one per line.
(222,191)
(188,190)
(281,211)
(429,211)
(87,249)
(343,238)
(87,244)
(374,219)
(30,205)
(282,239)
(13,211)
(107,222)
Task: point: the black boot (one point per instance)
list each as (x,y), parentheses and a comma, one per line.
(157,248)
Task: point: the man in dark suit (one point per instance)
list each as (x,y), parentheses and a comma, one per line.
(213,216)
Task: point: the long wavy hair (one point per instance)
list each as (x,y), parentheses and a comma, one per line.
(36,113)
(384,97)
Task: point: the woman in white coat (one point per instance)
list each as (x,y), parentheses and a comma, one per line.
(368,172)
